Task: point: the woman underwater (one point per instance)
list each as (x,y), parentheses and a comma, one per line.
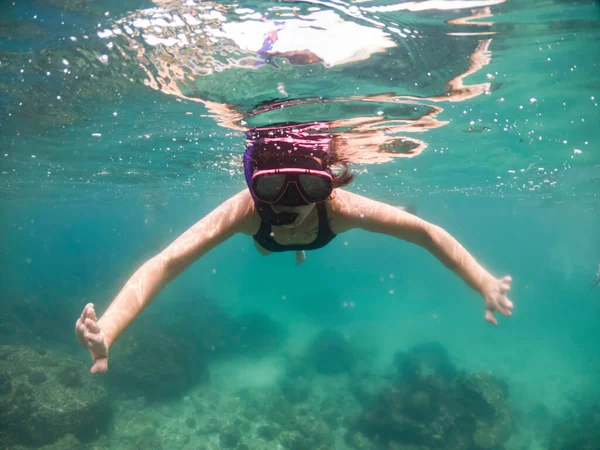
(294,202)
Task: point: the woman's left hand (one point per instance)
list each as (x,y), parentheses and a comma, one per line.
(496,299)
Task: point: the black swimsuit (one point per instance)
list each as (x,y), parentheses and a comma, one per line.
(324,236)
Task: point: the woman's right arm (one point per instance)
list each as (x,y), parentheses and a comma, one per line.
(233,216)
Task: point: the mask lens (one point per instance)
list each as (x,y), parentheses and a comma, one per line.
(314,187)
(292,197)
(268,188)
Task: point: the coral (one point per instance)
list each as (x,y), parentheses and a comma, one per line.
(267,432)
(256,334)
(279,411)
(295,390)
(5,383)
(191,422)
(230,436)
(424,361)
(331,353)
(580,431)
(201,321)
(148,362)
(69,378)
(314,432)
(36,377)
(293,440)
(36,408)
(484,397)
(357,441)
(68,442)
(174,440)
(431,404)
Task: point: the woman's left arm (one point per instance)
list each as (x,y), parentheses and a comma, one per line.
(354,211)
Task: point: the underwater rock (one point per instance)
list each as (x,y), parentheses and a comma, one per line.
(212,329)
(155,365)
(36,408)
(431,404)
(191,422)
(357,441)
(485,397)
(136,429)
(279,411)
(149,441)
(201,321)
(267,432)
(36,377)
(175,440)
(292,440)
(34,318)
(424,361)
(580,431)
(366,387)
(309,433)
(230,436)
(67,442)
(12,329)
(210,424)
(541,419)
(315,430)
(256,334)
(5,383)
(331,353)
(69,378)
(295,390)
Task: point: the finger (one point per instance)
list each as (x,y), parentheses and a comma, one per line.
(94,338)
(80,332)
(86,310)
(507,279)
(92,325)
(80,326)
(508,303)
(489,316)
(92,313)
(100,365)
(504,288)
(83,312)
(504,311)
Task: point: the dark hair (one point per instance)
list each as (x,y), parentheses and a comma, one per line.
(340,179)
(286,144)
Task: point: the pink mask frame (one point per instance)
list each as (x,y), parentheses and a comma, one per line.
(292,171)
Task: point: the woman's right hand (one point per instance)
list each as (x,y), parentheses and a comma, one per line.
(90,336)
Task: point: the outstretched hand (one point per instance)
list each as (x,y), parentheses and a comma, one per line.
(90,336)
(496,299)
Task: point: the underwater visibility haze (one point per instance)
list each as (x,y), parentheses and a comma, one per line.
(123,123)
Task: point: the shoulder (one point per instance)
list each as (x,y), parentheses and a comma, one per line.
(347,211)
(241,209)
(344,210)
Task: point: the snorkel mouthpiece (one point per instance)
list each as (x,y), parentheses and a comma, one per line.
(282,218)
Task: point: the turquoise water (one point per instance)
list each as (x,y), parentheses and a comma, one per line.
(481,114)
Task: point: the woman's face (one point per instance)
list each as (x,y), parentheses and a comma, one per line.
(302,211)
